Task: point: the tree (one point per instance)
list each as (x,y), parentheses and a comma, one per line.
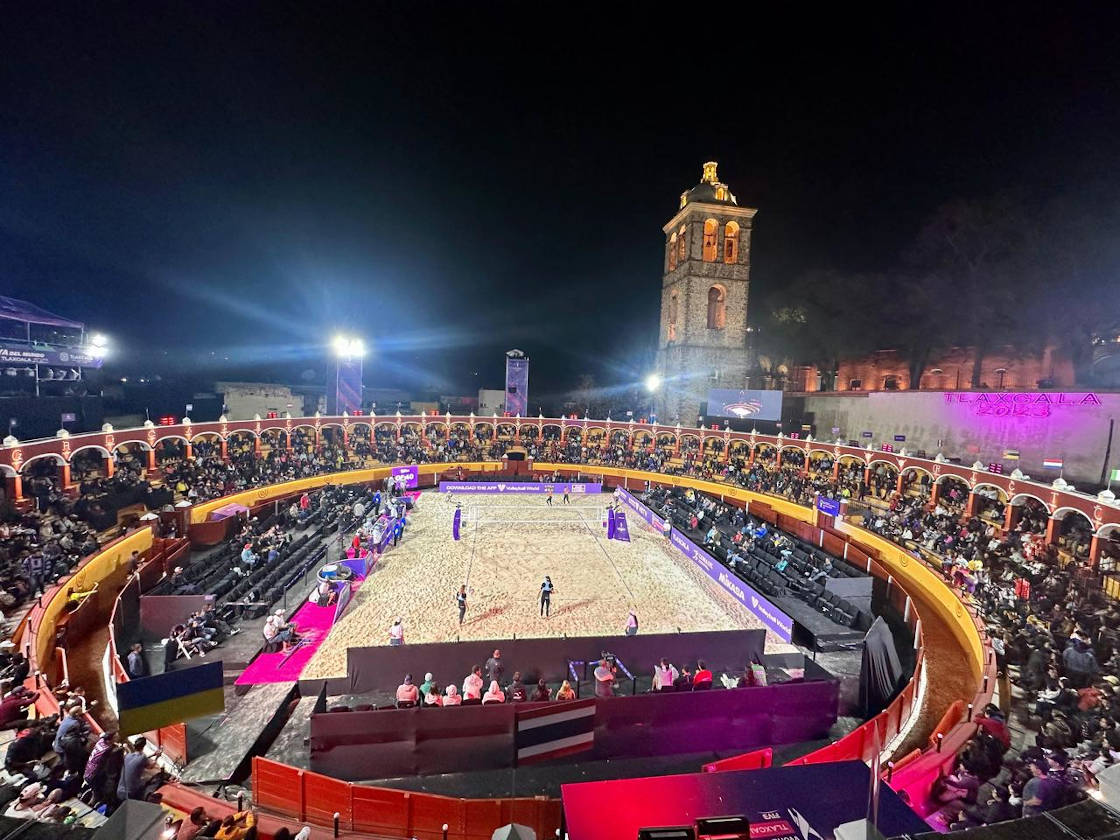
(825,316)
(979,260)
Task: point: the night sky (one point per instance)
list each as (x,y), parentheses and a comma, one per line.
(455,180)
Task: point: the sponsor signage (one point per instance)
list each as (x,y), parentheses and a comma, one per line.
(644,512)
(865,434)
(1006,404)
(518,487)
(411,475)
(12,353)
(900,438)
(829,506)
(774,619)
(69,417)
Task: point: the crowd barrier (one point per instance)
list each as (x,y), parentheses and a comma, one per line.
(425,741)
(309,797)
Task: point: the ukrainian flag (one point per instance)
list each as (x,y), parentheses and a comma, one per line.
(151,702)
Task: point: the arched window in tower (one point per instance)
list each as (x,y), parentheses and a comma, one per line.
(674,311)
(682,242)
(717,308)
(672,252)
(711,227)
(731,242)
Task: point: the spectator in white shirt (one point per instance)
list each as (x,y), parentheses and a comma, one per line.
(472,685)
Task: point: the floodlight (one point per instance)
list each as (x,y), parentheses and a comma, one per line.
(653,382)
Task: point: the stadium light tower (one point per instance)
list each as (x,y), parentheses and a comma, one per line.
(349,351)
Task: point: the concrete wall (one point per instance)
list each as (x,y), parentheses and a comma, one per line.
(975,425)
(491,401)
(245,399)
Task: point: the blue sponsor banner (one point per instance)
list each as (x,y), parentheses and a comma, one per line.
(457,523)
(774,619)
(15,353)
(518,487)
(829,506)
(644,512)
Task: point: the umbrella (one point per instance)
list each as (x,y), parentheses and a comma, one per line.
(149,516)
(514,831)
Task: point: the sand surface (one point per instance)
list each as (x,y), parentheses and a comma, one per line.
(507,546)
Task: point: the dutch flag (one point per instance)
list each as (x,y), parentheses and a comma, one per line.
(1052,463)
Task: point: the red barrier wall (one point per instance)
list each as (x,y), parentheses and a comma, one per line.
(309,797)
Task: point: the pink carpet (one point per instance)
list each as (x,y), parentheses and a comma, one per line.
(314,623)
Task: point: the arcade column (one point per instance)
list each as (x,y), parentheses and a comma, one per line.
(1053,530)
(1011,518)
(188,450)
(934,494)
(257,445)
(110,467)
(151,459)
(970,505)
(64,475)
(15,487)
(836,470)
(899,484)
(1095,552)
(225,449)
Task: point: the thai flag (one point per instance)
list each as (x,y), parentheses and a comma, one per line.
(1052,463)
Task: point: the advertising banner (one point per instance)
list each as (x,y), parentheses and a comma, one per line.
(774,619)
(829,506)
(518,487)
(739,405)
(644,512)
(517,386)
(13,353)
(411,475)
(621,529)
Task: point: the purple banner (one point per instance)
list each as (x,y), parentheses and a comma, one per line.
(621,529)
(456,523)
(387,534)
(410,474)
(518,487)
(776,620)
(610,523)
(644,512)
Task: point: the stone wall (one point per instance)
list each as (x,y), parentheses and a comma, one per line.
(976,425)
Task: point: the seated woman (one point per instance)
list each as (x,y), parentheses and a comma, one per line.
(452,697)
(494,694)
(565,692)
(277,632)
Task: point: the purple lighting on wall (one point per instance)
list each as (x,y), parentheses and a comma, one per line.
(1010,404)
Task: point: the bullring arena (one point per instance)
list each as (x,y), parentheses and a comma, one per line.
(508,545)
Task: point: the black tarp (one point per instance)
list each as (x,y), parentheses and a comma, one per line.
(880,672)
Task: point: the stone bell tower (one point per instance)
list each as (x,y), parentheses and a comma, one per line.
(704,292)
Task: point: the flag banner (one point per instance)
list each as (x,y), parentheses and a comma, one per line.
(621,529)
(151,702)
(1052,463)
(555,730)
(456,523)
(610,523)
(1114,476)
(1011,454)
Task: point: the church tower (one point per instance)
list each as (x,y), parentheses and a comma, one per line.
(704,292)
